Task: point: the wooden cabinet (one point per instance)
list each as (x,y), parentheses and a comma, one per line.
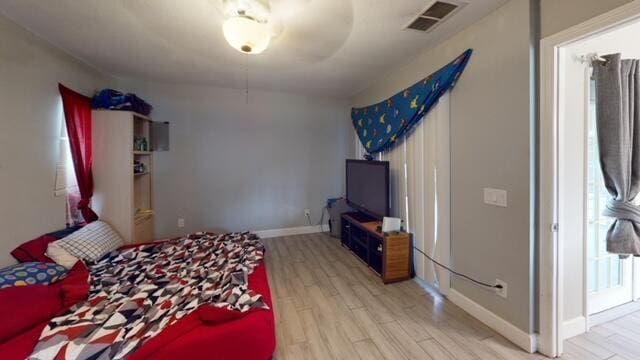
(388,255)
(123,197)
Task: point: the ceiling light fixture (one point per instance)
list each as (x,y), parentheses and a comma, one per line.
(246,28)
(246,34)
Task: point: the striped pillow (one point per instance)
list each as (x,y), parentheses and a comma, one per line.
(92,241)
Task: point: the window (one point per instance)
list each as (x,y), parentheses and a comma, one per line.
(604,269)
(65,183)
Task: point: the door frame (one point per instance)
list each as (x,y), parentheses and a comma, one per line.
(550,263)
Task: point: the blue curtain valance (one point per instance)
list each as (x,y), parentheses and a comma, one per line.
(379,126)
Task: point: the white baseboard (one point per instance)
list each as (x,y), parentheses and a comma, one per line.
(520,338)
(300,230)
(574,327)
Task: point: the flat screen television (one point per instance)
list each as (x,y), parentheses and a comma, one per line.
(368,186)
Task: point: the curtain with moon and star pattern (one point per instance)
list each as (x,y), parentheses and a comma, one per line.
(379,126)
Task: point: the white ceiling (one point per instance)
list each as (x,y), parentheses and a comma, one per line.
(329,47)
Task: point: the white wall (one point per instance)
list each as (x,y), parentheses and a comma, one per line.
(232,165)
(30,119)
(237,166)
(490,147)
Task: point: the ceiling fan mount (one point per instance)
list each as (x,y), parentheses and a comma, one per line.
(257,10)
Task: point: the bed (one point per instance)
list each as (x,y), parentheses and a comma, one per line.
(208,332)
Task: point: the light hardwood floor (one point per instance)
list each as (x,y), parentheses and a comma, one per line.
(616,340)
(328,305)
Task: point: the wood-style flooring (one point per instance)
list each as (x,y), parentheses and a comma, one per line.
(329,305)
(616,340)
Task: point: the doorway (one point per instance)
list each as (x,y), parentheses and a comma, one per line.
(609,279)
(594,281)
(581,284)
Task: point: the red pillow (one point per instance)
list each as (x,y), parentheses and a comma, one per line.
(22,307)
(34,250)
(75,287)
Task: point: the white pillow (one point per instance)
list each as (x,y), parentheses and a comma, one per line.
(92,241)
(61,256)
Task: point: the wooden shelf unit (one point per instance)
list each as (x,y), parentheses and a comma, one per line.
(122,197)
(388,255)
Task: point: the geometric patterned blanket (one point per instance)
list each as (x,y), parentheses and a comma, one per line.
(136,293)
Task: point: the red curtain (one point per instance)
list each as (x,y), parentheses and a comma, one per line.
(77,113)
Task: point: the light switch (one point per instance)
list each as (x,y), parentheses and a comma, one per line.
(501,198)
(495,197)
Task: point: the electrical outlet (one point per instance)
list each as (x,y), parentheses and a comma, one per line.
(307,212)
(501,292)
(180,223)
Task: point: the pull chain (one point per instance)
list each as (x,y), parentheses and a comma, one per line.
(246,69)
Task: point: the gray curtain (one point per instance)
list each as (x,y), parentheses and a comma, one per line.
(618,123)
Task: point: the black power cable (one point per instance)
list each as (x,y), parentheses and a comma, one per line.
(481,283)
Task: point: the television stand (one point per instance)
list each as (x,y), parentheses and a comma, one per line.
(390,256)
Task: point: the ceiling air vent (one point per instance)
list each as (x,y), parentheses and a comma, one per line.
(422,24)
(434,15)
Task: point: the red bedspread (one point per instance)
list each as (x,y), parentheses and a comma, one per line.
(208,333)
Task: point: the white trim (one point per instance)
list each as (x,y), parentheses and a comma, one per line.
(517,336)
(550,262)
(574,327)
(548,216)
(568,332)
(301,230)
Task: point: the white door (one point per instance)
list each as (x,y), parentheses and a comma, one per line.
(610,281)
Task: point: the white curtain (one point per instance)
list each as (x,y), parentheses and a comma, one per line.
(419,181)
(397,180)
(360,152)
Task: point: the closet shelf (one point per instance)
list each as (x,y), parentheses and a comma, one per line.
(143,215)
(123,175)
